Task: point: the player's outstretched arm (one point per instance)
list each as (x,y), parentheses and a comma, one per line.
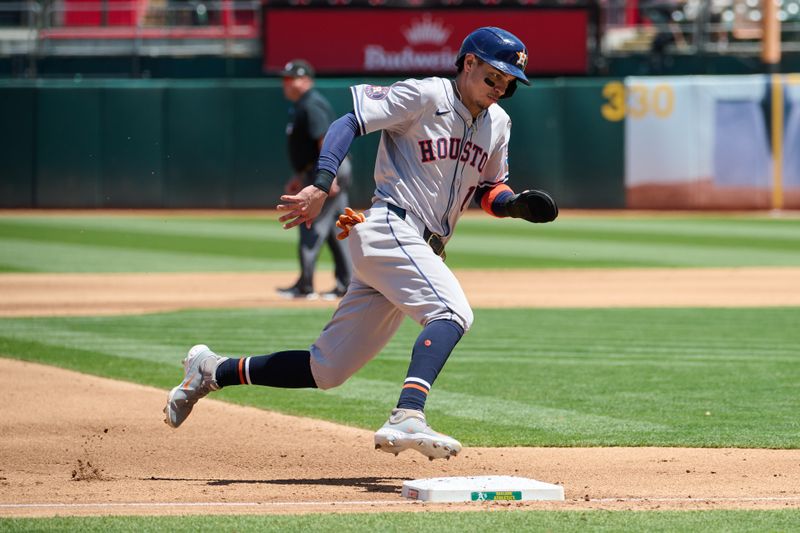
(304,206)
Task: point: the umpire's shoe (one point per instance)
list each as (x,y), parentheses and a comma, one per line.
(200,367)
(407,429)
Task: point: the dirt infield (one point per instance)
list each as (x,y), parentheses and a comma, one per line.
(80,445)
(75,444)
(102,294)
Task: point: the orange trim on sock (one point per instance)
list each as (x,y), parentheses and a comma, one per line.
(241,371)
(489,197)
(415,386)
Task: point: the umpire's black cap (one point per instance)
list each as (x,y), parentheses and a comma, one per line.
(297,68)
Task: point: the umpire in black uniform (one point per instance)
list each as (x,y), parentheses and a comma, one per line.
(309,118)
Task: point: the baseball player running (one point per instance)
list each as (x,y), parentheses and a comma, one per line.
(443,143)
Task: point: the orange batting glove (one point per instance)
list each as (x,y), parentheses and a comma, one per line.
(346,222)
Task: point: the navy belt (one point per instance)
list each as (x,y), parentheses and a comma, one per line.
(434,240)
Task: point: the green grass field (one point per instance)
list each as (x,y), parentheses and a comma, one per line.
(574,521)
(566,377)
(169,243)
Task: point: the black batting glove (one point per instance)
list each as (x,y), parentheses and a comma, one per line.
(534,206)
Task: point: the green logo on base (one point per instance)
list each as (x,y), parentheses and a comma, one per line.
(496,496)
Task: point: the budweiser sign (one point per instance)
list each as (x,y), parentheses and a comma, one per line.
(346,41)
(376,58)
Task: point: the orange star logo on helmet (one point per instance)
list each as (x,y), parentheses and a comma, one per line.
(522,59)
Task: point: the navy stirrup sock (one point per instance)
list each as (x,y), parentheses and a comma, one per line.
(428,357)
(289,370)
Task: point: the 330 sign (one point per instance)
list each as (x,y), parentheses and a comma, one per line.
(636,101)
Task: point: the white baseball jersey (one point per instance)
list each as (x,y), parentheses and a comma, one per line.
(432,155)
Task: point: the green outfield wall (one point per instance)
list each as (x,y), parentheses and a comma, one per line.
(221,143)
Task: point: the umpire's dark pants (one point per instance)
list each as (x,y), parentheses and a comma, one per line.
(322,231)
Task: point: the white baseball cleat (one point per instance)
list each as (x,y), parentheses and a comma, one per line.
(293,293)
(407,429)
(200,367)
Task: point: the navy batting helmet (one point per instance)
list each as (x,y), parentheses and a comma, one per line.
(501,49)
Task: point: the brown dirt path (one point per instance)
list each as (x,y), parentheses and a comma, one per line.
(95,294)
(74,444)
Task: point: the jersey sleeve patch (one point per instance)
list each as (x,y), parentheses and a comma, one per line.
(376,92)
